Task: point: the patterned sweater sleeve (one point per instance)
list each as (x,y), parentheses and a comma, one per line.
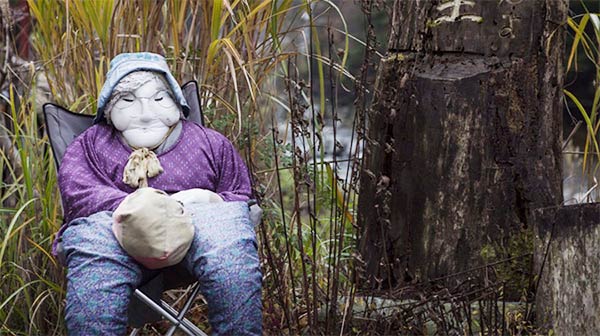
(85,186)
(234,178)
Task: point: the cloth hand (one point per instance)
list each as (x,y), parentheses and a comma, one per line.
(197,195)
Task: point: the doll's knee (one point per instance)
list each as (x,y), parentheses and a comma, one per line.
(91,234)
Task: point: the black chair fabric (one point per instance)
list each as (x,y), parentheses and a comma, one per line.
(63,126)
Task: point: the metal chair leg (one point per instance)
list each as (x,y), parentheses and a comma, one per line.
(171,314)
(186,307)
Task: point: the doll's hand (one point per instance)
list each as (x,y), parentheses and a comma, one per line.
(196,195)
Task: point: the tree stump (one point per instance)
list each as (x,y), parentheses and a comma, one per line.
(567,241)
(464,134)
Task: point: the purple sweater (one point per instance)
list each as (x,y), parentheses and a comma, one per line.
(91,172)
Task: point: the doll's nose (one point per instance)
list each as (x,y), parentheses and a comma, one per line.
(146,114)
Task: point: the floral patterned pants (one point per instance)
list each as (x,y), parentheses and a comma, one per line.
(102,277)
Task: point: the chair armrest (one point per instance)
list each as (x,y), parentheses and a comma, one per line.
(255,212)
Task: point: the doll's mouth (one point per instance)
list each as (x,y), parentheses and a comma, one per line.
(146,129)
(149,127)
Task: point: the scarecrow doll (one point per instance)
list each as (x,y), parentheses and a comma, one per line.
(144,189)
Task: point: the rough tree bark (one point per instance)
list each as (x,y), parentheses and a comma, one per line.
(567,243)
(464,134)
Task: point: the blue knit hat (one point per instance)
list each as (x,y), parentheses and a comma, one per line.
(126,63)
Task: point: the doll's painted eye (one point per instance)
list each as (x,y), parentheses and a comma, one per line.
(125,101)
(164,99)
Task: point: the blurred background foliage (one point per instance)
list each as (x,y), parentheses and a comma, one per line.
(581,122)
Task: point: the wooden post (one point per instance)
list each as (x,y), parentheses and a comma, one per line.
(464,134)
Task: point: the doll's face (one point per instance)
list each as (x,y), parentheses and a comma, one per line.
(144,115)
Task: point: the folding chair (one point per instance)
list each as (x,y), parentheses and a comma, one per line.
(146,306)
